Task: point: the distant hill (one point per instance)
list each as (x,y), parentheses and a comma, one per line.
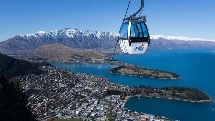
(96,40)
(60,53)
(164,44)
(11,67)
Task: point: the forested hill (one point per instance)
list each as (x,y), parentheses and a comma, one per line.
(11,67)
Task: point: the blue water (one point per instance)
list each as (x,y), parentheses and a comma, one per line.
(197,68)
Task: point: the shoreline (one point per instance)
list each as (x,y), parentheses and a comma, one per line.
(146,77)
(140,96)
(201,101)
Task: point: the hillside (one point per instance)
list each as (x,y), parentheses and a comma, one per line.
(11,67)
(60,53)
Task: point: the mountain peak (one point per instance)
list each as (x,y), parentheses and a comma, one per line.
(41,32)
(71,33)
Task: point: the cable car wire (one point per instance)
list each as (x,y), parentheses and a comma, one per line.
(118,36)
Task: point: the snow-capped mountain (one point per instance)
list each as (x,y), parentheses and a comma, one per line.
(72,33)
(98,40)
(73,38)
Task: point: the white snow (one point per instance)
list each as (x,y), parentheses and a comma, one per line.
(69,32)
(41,33)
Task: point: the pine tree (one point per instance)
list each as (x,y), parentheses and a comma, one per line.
(13,102)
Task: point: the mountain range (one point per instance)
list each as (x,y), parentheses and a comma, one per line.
(96,40)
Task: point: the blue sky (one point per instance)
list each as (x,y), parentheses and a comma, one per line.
(191,18)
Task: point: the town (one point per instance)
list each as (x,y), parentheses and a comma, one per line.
(66,95)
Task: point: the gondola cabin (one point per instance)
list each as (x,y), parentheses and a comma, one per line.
(134,37)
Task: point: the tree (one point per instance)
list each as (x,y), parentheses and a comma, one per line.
(13,102)
(110,115)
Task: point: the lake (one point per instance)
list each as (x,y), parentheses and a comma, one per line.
(196,67)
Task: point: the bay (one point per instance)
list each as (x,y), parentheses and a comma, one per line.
(197,68)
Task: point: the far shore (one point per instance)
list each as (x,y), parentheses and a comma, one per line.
(140,96)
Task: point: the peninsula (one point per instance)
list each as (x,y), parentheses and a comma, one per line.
(133,70)
(172,92)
